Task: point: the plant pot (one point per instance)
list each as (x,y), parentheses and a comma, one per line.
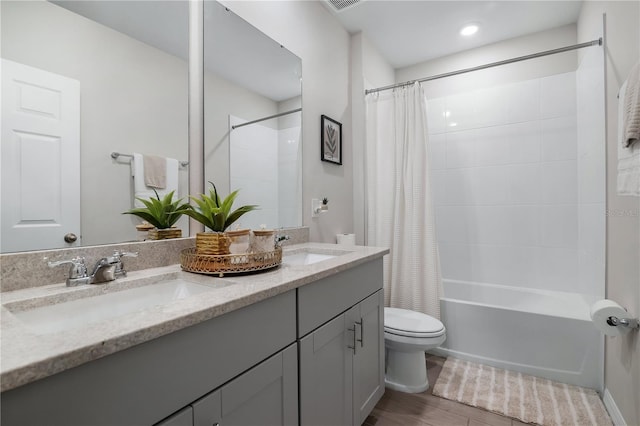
(239,241)
(212,243)
(164,234)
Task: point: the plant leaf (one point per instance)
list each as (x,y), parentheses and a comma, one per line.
(161,213)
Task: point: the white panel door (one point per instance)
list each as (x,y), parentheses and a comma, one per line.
(40,158)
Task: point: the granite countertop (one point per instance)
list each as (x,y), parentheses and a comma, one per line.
(28,355)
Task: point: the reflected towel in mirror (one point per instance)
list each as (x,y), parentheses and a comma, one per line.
(141,190)
(155,171)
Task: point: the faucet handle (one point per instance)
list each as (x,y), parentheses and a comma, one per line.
(280,238)
(77,270)
(117,253)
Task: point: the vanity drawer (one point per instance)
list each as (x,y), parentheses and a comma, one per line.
(322,300)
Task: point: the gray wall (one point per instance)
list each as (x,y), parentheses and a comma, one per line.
(622,354)
(368,70)
(221,99)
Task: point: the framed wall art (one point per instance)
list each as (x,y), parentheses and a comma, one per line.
(331,140)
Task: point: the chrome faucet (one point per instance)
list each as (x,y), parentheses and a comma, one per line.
(106,269)
(77,271)
(117,257)
(111,267)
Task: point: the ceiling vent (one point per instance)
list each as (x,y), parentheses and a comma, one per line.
(340,5)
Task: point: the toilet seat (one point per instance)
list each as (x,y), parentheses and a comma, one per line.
(402,322)
(404,333)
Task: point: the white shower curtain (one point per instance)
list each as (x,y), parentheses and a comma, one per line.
(398,200)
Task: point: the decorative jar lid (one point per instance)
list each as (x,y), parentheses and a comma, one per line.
(144,226)
(238,232)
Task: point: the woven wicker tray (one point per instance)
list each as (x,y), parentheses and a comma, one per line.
(229,263)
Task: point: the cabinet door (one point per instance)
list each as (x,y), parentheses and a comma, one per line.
(326,373)
(183,417)
(368,360)
(265,395)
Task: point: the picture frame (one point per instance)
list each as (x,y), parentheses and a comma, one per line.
(330,140)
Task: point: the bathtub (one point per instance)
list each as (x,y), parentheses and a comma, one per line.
(543,333)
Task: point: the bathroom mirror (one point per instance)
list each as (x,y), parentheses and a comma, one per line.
(127,63)
(249,77)
(109,76)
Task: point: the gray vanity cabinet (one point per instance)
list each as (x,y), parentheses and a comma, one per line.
(148,382)
(368,359)
(342,359)
(265,395)
(313,355)
(326,373)
(183,417)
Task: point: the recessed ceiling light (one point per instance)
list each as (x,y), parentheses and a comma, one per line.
(469,30)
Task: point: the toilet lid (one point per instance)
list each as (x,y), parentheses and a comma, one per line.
(410,323)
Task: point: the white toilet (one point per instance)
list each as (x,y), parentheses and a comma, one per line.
(407,335)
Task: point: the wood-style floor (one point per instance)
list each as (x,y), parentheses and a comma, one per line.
(419,409)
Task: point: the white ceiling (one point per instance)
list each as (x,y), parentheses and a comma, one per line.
(405,32)
(410,32)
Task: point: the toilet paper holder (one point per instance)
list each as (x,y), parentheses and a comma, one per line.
(614,321)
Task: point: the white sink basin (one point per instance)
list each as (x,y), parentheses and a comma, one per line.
(305,258)
(79,313)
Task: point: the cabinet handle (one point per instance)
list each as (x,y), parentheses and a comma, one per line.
(354,339)
(361,339)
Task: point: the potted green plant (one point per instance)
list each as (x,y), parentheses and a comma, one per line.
(162,213)
(216,215)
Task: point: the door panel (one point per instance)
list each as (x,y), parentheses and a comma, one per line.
(264,395)
(40,158)
(183,417)
(326,374)
(368,363)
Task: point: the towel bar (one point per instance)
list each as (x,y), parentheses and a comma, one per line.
(115,155)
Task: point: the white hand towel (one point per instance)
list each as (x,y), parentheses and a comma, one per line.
(631,109)
(155,171)
(141,190)
(628,157)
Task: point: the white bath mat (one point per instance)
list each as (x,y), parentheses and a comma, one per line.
(527,398)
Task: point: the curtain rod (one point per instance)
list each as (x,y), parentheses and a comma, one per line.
(266,118)
(597,42)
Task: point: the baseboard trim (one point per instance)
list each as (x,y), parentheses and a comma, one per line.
(612,408)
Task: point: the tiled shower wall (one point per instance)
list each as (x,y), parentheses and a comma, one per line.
(253,164)
(505,182)
(265,164)
(591,172)
(289,176)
